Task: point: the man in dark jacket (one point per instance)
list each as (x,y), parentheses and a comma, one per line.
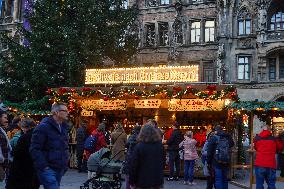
(265,162)
(49,147)
(173,148)
(221,169)
(81,136)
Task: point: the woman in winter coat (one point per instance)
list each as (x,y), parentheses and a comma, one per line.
(22,174)
(146,166)
(190,155)
(118,140)
(130,144)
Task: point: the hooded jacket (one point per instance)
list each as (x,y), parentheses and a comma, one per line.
(265,146)
(49,146)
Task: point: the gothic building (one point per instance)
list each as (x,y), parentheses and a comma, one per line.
(238,42)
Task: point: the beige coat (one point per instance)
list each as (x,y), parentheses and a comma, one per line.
(118,140)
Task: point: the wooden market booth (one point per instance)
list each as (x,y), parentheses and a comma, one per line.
(134,95)
(252,114)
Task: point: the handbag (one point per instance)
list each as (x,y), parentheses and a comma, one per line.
(181,154)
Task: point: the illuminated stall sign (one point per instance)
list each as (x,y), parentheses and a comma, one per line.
(87,113)
(162,74)
(149,103)
(103,105)
(196,105)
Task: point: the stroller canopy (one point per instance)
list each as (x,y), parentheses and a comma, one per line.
(96,158)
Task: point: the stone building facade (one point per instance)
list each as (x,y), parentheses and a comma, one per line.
(238,42)
(11,14)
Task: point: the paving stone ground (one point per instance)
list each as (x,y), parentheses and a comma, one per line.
(73,180)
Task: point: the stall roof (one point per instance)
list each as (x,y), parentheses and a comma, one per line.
(257,105)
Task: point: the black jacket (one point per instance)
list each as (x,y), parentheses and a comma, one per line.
(146,167)
(212,144)
(81,136)
(174,140)
(22,174)
(130,144)
(49,146)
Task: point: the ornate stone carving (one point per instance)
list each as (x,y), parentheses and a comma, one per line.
(245,43)
(220,65)
(275,35)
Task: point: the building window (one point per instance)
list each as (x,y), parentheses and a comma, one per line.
(272,68)
(10,8)
(281,67)
(150,35)
(152,3)
(277,21)
(2,8)
(163,34)
(178,35)
(244,23)
(164,2)
(209,31)
(195,32)
(243,68)
(197,1)
(208,72)
(125,4)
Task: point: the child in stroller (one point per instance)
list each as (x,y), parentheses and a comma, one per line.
(107,172)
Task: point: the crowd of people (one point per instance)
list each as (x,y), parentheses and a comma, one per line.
(32,155)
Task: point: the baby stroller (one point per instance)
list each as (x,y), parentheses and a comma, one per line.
(107,172)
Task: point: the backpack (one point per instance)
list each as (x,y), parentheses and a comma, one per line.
(222,152)
(90,143)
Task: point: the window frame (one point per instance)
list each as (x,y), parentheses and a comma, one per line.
(244,19)
(275,23)
(178,32)
(244,71)
(270,72)
(151,33)
(209,35)
(208,67)
(195,33)
(163,34)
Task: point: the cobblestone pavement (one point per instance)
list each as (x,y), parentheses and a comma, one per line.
(73,180)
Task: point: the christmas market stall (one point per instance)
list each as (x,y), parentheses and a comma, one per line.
(134,95)
(249,116)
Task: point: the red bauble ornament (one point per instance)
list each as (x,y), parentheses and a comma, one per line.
(105,98)
(136,97)
(48,91)
(73,90)
(189,87)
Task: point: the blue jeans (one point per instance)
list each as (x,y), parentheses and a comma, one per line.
(221,179)
(49,178)
(188,170)
(267,174)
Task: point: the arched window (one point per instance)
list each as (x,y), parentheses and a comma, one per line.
(277,21)
(244,22)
